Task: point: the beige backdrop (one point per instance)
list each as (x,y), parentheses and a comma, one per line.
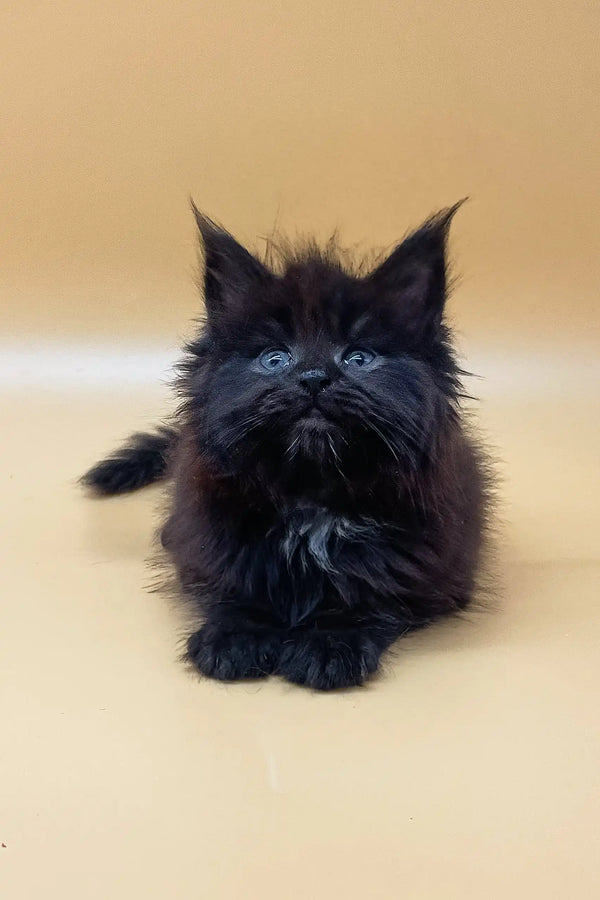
(365,116)
(470,768)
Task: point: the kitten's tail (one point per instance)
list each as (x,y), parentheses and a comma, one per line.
(142,460)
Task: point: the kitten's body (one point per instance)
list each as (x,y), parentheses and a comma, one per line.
(326,498)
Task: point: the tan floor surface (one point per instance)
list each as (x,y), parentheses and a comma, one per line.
(469,768)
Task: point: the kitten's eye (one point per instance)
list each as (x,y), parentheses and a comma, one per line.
(358,358)
(275,360)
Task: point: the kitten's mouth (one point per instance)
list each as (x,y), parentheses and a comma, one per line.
(314,418)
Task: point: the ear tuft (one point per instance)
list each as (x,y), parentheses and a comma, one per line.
(414,278)
(443,219)
(230,271)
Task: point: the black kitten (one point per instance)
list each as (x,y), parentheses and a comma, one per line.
(327,498)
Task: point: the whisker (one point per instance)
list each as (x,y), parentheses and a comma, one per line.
(292,448)
(387,443)
(332,448)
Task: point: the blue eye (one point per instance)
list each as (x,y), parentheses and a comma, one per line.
(275,360)
(358,358)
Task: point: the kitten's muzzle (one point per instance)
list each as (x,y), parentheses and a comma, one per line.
(314,381)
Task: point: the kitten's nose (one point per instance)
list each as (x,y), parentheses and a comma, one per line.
(314,380)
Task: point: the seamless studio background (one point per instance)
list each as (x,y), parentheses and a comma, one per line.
(470,767)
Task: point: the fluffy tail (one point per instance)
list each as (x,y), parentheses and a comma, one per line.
(142,460)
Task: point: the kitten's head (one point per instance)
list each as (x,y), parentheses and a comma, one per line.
(317,371)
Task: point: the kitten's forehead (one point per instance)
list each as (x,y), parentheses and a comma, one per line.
(321,300)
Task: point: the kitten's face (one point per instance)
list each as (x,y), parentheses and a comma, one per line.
(316,368)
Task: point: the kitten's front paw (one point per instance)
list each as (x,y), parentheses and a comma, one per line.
(326,660)
(229,656)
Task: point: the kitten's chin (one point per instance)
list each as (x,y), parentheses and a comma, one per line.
(314,421)
(315,440)
(314,425)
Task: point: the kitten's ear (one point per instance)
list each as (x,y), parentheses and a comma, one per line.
(231,273)
(413,277)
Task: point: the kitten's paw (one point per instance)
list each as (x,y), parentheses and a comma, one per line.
(230,656)
(326,660)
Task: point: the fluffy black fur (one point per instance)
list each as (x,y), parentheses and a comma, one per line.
(140,461)
(327,496)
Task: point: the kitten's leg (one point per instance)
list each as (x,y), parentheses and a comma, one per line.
(327,658)
(231,647)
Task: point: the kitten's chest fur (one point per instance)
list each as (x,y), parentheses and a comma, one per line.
(314,536)
(312,557)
